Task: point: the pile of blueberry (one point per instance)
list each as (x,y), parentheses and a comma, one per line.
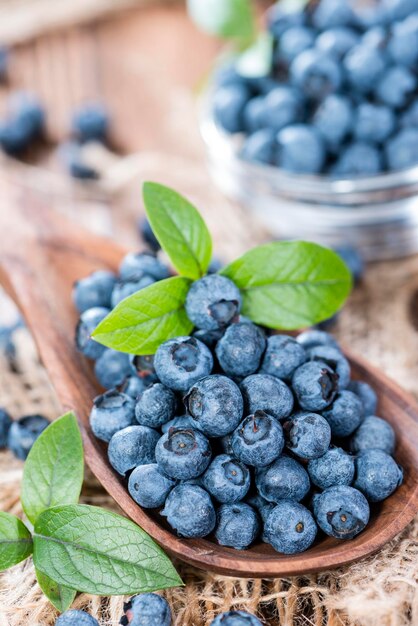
(20,435)
(342,95)
(231,432)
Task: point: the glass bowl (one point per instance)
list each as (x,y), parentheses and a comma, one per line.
(378,215)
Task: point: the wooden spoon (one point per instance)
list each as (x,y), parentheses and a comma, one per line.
(41,256)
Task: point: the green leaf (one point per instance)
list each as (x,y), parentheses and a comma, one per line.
(99,552)
(61,597)
(15,541)
(53,472)
(228,19)
(141,322)
(290,284)
(257,60)
(179,228)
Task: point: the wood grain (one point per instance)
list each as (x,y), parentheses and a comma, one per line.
(40,257)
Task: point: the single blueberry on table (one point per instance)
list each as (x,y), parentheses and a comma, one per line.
(237,525)
(183,453)
(258,440)
(149,486)
(146,609)
(377,475)
(345,414)
(133,386)
(189,510)
(240,349)
(341,511)
(290,527)
(282,106)
(396,87)
(181,421)
(24,432)
(402,149)
(213,302)
(366,394)
(155,406)
(229,105)
(91,123)
(76,618)
(137,264)
(293,41)
(226,479)
(262,392)
(332,13)
(300,149)
(337,41)
(373,432)
(334,358)
(182,361)
(334,120)
(364,65)
(312,338)
(260,147)
(403,44)
(315,73)
(284,479)
(132,446)
(215,404)
(111,412)
(358,159)
(353,259)
(94,291)
(315,385)
(5,424)
(87,323)
(308,435)
(236,618)
(335,467)
(111,368)
(373,122)
(282,357)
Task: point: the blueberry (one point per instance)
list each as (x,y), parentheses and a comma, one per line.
(23,433)
(213,302)
(353,259)
(396,87)
(125,288)
(335,467)
(209,337)
(226,479)
(237,525)
(262,392)
(402,149)
(147,609)
(147,234)
(143,366)
(91,123)
(316,74)
(341,511)
(76,618)
(240,349)
(14,137)
(216,405)
(410,117)
(73,158)
(312,338)
(315,385)
(345,414)
(279,19)
(335,360)
(254,114)
(403,44)
(290,527)
(155,406)
(284,479)
(181,362)
(337,41)
(111,368)
(364,66)
(293,41)
(87,323)
(282,356)
(189,510)
(181,421)
(111,412)
(236,618)
(28,112)
(135,265)
(399,9)
(308,435)
(377,475)
(5,424)
(331,13)
(132,446)
(258,440)
(376,37)
(334,119)
(366,394)
(149,486)
(183,453)
(358,159)
(263,508)
(225,444)
(94,291)
(300,149)
(373,123)
(260,147)
(228,107)
(133,386)
(373,432)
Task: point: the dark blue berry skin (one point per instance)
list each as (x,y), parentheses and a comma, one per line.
(354,261)
(215,404)
(111,412)
(300,149)
(125,288)
(284,479)
(260,147)
(335,360)
(237,525)
(341,511)
(143,366)
(91,123)
(189,510)
(315,73)
(236,618)
(87,323)
(376,37)
(282,357)
(76,618)
(263,508)
(5,424)
(183,453)
(377,475)
(345,414)
(410,117)
(313,338)
(132,446)
(137,264)
(293,41)
(94,290)
(308,435)
(240,349)
(373,123)
(228,107)
(334,120)
(147,609)
(213,302)
(24,432)
(290,527)
(337,41)
(364,66)
(282,106)
(156,406)
(149,486)
(335,467)
(209,337)
(358,159)
(133,386)
(254,114)
(14,137)
(28,112)
(315,385)
(74,160)
(111,368)
(262,392)
(181,421)
(366,394)
(373,432)
(147,234)
(403,44)
(179,363)
(402,149)
(258,440)
(226,479)
(333,13)
(396,86)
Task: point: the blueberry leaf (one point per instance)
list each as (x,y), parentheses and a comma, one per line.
(15,541)
(289,285)
(53,472)
(141,322)
(179,228)
(95,551)
(61,597)
(228,19)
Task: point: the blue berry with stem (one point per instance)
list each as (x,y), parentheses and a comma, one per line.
(258,440)
(227,479)
(341,511)
(315,385)
(213,302)
(183,453)
(181,362)
(290,527)
(308,435)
